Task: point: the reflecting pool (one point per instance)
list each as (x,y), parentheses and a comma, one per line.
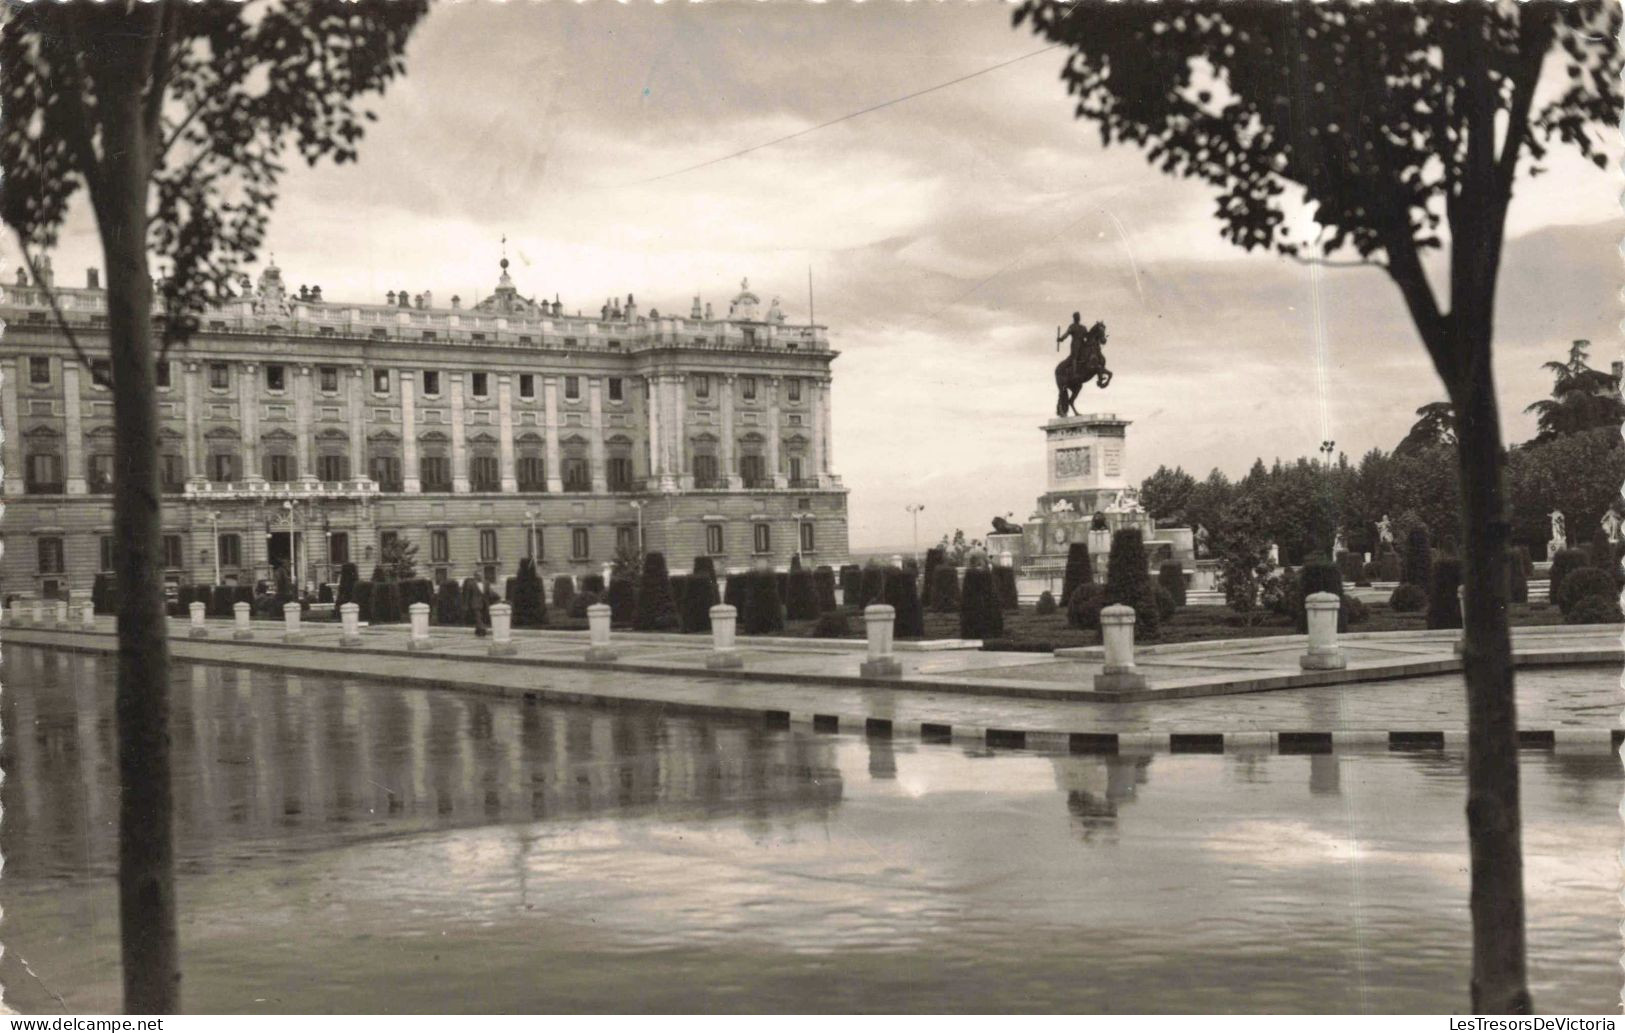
(348,846)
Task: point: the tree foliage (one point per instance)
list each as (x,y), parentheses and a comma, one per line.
(1583,399)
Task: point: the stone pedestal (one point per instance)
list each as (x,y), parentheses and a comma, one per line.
(1324,654)
(19,611)
(502,630)
(87,615)
(1117,633)
(350,624)
(61,615)
(598,647)
(197,628)
(242,627)
(419,615)
(39,613)
(290,621)
(724,654)
(879,622)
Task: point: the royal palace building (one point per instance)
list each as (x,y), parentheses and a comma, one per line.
(304,432)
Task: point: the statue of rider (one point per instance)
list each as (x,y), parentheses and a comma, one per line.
(1079,336)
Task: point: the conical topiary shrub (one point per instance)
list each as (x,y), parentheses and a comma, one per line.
(902,594)
(1004,586)
(1418,558)
(1171,579)
(1128,580)
(448,605)
(656,609)
(699,596)
(705,566)
(1080,570)
(872,585)
(980,615)
(824,588)
(945,591)
(622,598)
(529,606)
(1444,606)
(934,558)
(363,601)
(851,585)
(348,576)
(564,592)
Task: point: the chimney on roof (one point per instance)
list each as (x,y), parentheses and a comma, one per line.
(456,301)
(390,297)
(1619,369)
(93,278)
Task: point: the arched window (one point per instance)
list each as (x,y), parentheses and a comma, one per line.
(434,461)
(531,462)
(279,464)
(332,456)
(577,472)
(484,473)
(42,462)
(618,463)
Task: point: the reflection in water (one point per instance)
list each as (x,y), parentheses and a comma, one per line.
(355,846)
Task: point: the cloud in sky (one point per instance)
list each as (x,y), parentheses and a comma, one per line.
(947,236)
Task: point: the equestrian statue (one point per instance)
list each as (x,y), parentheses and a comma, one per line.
(1086,362)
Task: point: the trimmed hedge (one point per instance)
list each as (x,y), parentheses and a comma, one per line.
(801,598)
(1083,609)
(762,613)
(824,588)
(363,601)
(832,624)
(851,584)
(1594,609)
(1444,605)
(1046,604)
(1418,559)
(448,609)
(872,586)
(348,576)
(1128,580)
(580,602)
(1408,598)
(694,611)
(104,594)
(593,583)
(622,598)
(704,566)
(734,595)
(527,598)
(944,594)
(934,559)
(655,609)
(980,615)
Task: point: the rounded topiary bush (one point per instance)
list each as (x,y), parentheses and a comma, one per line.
(762,613)
(1354,611)
(1565,562)
(1046,604)
(564,591)
(1166,607)
(362,599)
(581,602)
(386,602)
(1171,578)
(824,588)
(945,588)
(1004,586)
(1583,584)
(980,615)
(593,583)
(699,595)
(902,594)
(801,597)
(1444,605)
(705,566)
(1083,609)
(1594,609)
(831,624)
(654,609)
(1408,598)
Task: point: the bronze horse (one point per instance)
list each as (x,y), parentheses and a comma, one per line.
(1072,372)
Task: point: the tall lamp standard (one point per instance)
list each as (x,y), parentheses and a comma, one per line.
(293,542)
(914,508)
(532,516)
(637,504)
(214,522)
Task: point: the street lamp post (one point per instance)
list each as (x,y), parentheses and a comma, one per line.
(531,516)
(914,508)
(214,522)
(637,504)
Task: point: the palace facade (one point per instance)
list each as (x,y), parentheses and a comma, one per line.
(309,432)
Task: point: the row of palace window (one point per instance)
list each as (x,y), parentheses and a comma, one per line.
(43,471)
(276,381)
(230,546)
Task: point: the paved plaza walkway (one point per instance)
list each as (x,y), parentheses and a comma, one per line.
(1399,686)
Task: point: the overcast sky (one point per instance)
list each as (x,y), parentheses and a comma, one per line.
(947,235)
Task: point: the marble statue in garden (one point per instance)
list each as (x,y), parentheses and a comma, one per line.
(1200,539)
(1610,525)
(1385,530)
(1560,534)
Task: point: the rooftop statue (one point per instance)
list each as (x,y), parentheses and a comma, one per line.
(1087,361)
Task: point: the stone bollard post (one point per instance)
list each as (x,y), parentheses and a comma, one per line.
(502,630)
(19,611)
(290,621)
(87,615)
(598,647)
(61,614)
(420,627)
(724,653)
(241,626)
(197,629)
(1324,654)
(879,621)
(39,613)
(350,624)
(1117,632)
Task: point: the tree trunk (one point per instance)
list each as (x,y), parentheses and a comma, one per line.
(147,925)
(1499,980)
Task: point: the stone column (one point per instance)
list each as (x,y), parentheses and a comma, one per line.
(419,615)
(827,426)
(248,414)
(779,480)
(358,424)
(595,418)
(350,624)
(502,630)
(197,628)
(74,429)
(304,401)
(459,447)
(505,431)
(290,621)
(409,433)
(13,453)
(241,628)
(815,406)
(669,469)
(729,471)
(193,372)
(679,433)
(656,445)
(550,431)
